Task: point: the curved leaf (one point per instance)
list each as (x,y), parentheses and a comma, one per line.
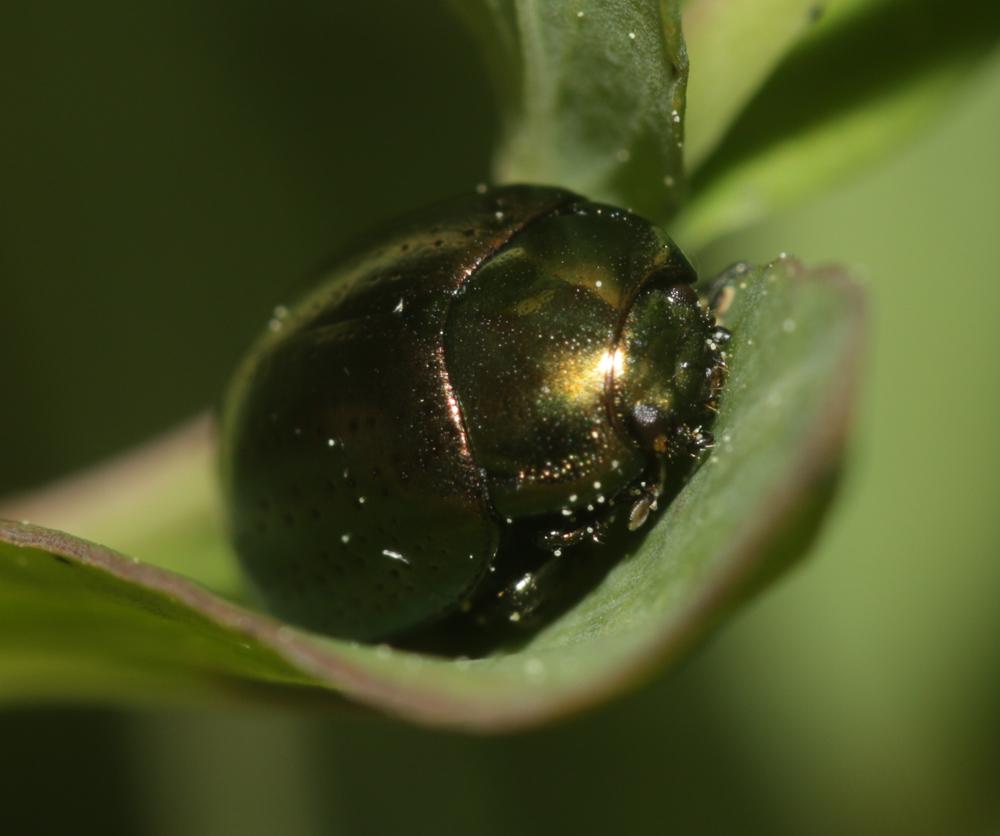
(157,504)
(80,620)
(592,95)
(733,48)
(862,82)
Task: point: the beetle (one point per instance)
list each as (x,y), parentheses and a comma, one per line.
(515,361)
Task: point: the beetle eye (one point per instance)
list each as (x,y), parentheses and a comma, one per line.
(666,340)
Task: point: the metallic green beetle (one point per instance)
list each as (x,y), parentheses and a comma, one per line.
(518,359)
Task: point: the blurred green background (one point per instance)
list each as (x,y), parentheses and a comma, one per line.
(171,171)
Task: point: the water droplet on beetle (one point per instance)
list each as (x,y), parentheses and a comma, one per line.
(278,317)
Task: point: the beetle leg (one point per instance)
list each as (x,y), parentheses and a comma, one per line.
(555,541)
(523,598)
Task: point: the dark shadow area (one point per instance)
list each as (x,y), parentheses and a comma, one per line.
(171,170)
(65,771)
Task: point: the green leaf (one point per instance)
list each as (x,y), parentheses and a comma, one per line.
(733,47)
(858,85)
(592,95)
(157,504)
(79,620)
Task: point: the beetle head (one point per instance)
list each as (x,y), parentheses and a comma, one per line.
(668,369)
